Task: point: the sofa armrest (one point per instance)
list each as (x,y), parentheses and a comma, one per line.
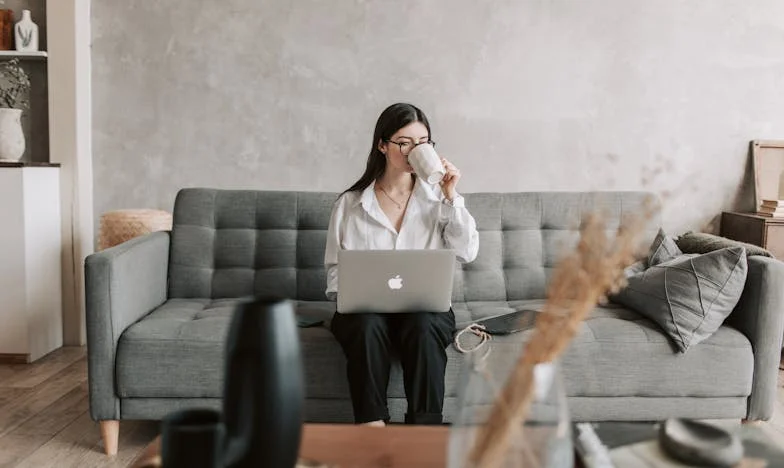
(760,316)
(122,285)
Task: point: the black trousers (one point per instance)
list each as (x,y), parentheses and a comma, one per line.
(419,339)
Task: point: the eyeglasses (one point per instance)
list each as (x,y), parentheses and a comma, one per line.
(406,146)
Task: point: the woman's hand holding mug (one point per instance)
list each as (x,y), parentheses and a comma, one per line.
(433,169)
(449,182)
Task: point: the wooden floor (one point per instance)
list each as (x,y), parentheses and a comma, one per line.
(44,418)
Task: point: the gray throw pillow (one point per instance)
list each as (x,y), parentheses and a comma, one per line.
(663,248)
(701,242)
(634,268)
(688,296)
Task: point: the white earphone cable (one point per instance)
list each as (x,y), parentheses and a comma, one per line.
(478,330)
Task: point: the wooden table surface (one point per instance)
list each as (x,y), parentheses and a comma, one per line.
(349,445)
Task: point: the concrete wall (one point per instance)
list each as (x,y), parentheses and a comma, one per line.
(523,94)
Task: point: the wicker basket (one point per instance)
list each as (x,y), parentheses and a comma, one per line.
(122,225)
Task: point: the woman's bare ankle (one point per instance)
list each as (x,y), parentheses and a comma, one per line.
(379,423)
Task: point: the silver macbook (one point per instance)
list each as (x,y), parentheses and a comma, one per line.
(395,280)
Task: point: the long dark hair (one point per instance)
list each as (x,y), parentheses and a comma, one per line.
(390,121)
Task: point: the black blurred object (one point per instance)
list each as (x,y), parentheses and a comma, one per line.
(619,436)
(699,444)
(192,437)
(512,322)
(306,322)
(263,396)
(263,393)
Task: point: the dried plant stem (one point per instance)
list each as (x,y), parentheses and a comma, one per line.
(580,280)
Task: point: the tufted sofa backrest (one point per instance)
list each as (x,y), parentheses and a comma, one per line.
(240,243)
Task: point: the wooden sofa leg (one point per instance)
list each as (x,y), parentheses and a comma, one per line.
(110,433)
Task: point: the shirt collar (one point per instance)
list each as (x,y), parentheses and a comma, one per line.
(369,204)
(422,191)
(366,199)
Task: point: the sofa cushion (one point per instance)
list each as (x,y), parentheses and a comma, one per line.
(617,352)
(702,242)
(235,243)
(663,248)
(689,296)
(178,349)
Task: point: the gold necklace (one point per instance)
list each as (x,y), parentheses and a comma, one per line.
(399,205)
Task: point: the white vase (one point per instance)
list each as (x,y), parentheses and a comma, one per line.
(12,140)
(26,34)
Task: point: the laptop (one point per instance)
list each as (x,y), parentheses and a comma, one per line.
(393,281)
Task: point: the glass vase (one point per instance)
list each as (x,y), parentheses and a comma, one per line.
(541,439)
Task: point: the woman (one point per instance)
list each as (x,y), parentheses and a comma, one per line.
(389,208)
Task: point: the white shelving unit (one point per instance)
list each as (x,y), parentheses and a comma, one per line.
(38,55)
(31,319)
(31,244)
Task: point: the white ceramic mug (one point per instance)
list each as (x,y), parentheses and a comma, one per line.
(426,163)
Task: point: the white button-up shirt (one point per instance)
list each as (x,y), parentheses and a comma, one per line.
(430,222)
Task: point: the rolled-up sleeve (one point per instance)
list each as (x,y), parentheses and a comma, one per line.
(459,230)
(334,236)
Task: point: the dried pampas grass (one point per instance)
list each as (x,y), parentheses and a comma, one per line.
(580,280)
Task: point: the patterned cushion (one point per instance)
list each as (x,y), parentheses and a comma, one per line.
(689,296)
(663,248)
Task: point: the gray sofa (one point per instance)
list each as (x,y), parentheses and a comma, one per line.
(158,308)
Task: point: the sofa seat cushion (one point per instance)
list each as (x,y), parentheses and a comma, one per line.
(618,352)
(177,351)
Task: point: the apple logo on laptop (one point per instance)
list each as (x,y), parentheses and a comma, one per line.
(395,283)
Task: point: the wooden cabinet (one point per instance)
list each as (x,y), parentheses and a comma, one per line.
(763,231)
(31,323)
